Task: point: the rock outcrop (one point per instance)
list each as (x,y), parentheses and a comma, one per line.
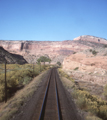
(10,58)
(91,39)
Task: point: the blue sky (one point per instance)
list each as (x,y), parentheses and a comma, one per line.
(52,19)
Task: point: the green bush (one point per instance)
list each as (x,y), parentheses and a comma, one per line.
(59,63)
(43,59)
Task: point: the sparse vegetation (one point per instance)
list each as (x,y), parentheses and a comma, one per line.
(105,46)
(43,59)
(93,52)
(65,75)
(20,98)
(17,77)
(90,50)
(105,91)
(59,63)
(88,102)
(74,52)
(76,68)
(91,117)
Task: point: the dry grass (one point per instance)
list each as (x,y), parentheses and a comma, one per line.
(11,107)
(17,77)
(85,100)
(93,118)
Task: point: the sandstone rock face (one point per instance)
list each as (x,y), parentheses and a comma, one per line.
(87,67)
(85,62)
(37,48)
(91,39)
(56,50)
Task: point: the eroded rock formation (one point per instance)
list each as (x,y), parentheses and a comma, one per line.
(56,50)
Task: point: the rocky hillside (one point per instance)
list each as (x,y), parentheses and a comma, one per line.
(10,58)
(89,65)
(56,50)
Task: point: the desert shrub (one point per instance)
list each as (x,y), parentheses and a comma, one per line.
(105,91)
(103,112)
(88,102)
(76,68)
(18,75)
(94,52)
(74,52)
(105,46)
(90,50)
(92,103)
(26,80)
(1,92)
(62,73)
(43,59)
(92,118)
(75,94)
(81,102)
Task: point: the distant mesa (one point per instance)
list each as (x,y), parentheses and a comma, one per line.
(91,39)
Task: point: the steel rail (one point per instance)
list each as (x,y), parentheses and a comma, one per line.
(45,98)
(57,98)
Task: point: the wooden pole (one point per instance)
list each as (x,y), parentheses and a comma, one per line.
(40,66)
(33,68)
(5,85)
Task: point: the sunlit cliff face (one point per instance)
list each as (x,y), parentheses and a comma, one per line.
(51,48)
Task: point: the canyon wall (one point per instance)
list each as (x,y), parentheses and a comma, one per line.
(45,48)
(31,50)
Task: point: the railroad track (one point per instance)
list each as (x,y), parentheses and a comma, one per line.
(50,102)
(50,109)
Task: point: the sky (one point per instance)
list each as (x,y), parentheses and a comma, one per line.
(52,20)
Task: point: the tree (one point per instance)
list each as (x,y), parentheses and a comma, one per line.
(59,63)
(43,59)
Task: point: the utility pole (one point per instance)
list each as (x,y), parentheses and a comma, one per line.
(33,68)
(5,84)
(40,66)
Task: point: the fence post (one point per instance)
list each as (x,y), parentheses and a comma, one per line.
(5,85)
